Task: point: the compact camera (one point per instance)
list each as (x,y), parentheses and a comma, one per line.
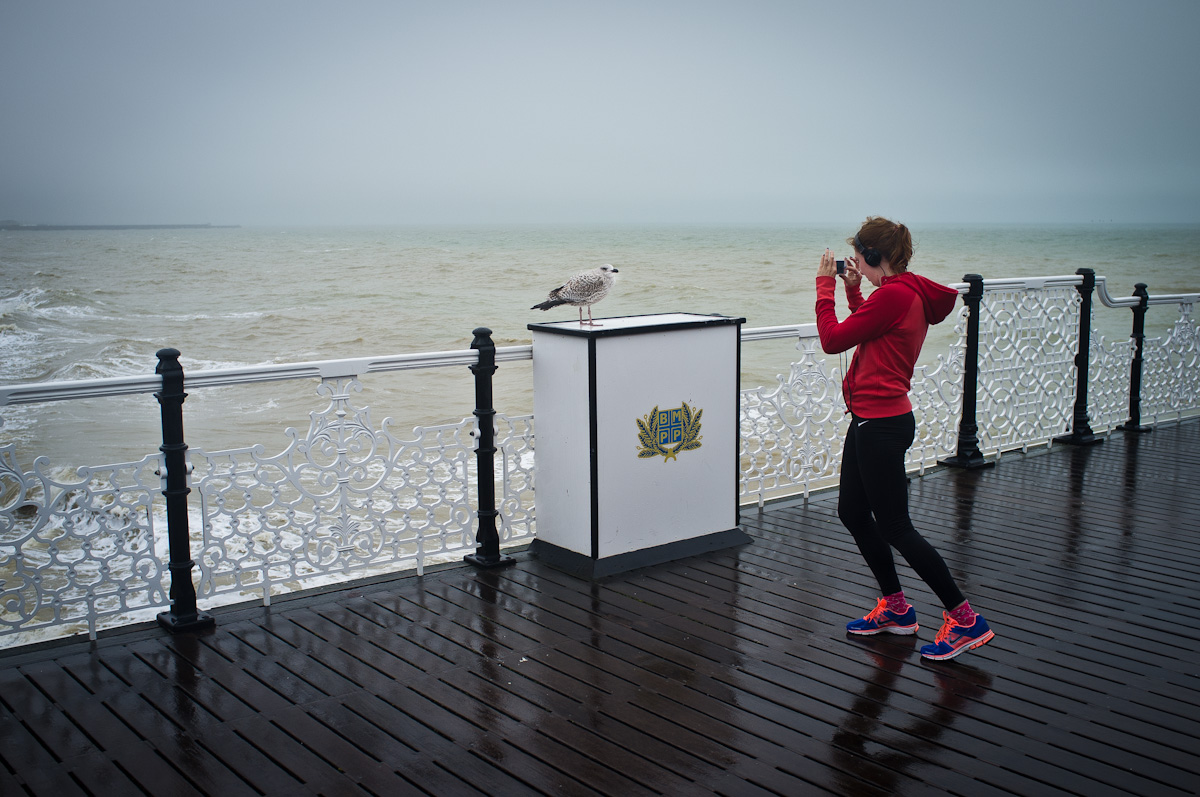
(841,266)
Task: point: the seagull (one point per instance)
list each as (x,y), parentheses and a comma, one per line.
(582,290)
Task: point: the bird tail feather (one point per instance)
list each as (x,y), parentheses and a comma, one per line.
(546,305)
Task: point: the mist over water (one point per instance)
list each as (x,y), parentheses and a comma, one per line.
(84,304)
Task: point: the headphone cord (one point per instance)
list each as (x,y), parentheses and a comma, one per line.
(842,362)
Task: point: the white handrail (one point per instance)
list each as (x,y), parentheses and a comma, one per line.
(780,333)
(1114,301)
(320,369)
(1132,301)
(1032,283)
(78,389)
(1177,298)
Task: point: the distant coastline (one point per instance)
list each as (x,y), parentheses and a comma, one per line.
(12,225)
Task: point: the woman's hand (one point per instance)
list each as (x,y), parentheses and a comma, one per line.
(828,267)
(852,276)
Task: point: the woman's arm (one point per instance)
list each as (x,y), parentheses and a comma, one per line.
(872,318)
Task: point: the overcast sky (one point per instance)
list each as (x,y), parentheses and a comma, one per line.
(356,112)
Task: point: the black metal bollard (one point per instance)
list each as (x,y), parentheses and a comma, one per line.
(184,615)
(1081,430)
(1134,424)
(969,456)
(488,553)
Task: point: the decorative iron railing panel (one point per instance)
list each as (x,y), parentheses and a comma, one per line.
(78,549)
(1108,381)
(515,477)
(791,434)
(1026,365)
(1170,387)
(347,500)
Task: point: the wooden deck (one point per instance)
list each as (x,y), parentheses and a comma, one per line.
(722,674)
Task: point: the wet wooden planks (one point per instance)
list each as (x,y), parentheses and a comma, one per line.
(722,674)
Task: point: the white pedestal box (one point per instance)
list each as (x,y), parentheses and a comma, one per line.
(637,440)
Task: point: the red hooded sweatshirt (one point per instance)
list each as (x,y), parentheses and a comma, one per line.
(888,328)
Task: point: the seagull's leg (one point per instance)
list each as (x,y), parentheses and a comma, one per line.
(591,323)
(580,309)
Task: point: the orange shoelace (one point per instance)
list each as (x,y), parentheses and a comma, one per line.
(877,613)
(946,626)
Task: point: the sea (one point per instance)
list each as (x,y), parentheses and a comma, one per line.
(80,304)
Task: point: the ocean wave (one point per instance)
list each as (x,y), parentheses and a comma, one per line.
(91,369)
(89,358)
(39,305)
(131,358)
(15,335)
(25,300)
(66,311)
(253,315)
(20,353)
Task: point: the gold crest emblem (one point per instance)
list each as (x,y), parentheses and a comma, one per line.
(664,433)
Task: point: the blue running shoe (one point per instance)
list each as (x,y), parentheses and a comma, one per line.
(954,639)
(882,621)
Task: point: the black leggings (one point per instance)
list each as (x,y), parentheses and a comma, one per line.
(873,505)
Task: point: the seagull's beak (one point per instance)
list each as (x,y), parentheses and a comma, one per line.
(616,271)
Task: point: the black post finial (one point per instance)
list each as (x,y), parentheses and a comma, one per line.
(1081,430)
(184,615)
(969,456)
(488,537)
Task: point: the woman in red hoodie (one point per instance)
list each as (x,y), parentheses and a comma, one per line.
(888,328)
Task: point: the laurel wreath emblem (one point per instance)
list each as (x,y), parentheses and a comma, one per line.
(648,427)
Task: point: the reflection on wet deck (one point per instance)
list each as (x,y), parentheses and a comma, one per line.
(721,674)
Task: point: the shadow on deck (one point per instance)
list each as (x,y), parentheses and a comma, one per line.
(726,673)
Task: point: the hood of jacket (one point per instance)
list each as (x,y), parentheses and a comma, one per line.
(937,299)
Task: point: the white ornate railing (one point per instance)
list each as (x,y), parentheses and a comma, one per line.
(74,551)
(348,498)
(345,499)
(1165,395)
(1027,361)
(791,433)
(1170,388)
